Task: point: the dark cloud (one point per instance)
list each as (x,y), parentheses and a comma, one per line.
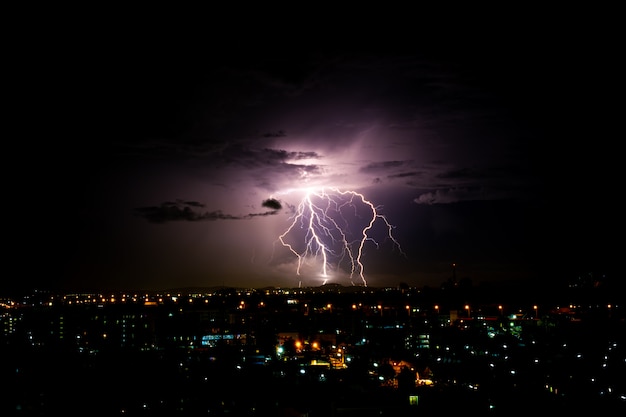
(305,155)
(250,157)
(184,211)
(272,203)
(403,175)
(382,166)
(277,134)
(178,211)
(193,204)
(265,213)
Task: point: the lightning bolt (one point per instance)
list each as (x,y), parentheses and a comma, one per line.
(335,224)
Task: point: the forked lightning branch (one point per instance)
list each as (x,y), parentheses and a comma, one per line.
(332,227)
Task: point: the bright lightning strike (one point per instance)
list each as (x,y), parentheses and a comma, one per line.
(334,225)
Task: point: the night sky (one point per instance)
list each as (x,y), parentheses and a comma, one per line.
(159,156)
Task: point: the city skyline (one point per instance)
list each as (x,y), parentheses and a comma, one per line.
(164,160)
(205,352)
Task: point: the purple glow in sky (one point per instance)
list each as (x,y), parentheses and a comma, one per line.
(349,123)
(168,161)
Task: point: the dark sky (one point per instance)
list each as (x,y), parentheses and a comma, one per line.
(160,155)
